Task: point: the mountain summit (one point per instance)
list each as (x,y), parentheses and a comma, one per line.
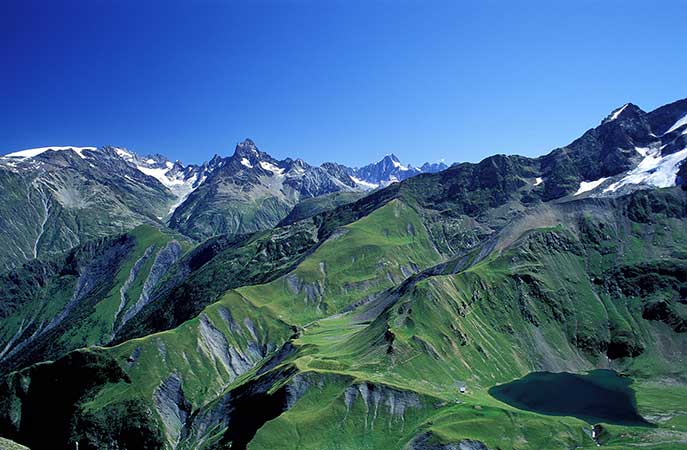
(390,170)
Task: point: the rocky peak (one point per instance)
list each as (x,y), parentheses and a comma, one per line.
(391,160)
(627,111)
(214,162)
(246,148)
(248,156)
(433,167)
(295,165)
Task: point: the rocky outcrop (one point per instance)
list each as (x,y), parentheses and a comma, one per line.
(173,408)
(427,441)
(133,273)
(93,264)
(163,262)
(376,398)
(213,343)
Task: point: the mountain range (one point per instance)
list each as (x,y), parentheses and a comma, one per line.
(255,303)
(58,197)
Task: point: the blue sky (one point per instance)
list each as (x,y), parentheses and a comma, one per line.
(340,80)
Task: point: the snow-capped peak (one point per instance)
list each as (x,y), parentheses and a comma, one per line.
(615,114)
(30,153)
(247,148)
(123,153)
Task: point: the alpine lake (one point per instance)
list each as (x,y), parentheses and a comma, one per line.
(599,396)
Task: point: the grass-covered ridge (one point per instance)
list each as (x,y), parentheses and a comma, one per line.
(357,261)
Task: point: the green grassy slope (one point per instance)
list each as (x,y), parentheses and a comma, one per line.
(360,259)
(230,337)
(363,342)
(537,305)
(52,206)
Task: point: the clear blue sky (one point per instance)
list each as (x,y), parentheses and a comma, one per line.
(346,81)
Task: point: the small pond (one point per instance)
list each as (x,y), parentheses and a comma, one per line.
(600,396)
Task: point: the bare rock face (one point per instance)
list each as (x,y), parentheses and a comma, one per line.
(92,264)
(213,342)
(173,408)
(163,262)
(377,398)
(427,441)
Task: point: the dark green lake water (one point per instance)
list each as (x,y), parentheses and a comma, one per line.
(600,396)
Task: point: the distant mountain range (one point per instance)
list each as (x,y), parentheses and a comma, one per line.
(57,197)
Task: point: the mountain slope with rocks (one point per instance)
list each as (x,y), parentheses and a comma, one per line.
(57,197)
(252,191)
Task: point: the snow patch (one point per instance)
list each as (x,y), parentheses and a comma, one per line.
(297,170)
(391,180)
(30,153)
(364,184)
(654,170)
(184,190)
(246,163)
(538,181)
(124,154)
(644,151)
(399,166)
(271,168)
(160,175)
(678,124)
(586,186)
(617,112)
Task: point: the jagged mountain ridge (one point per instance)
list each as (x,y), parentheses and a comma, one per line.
(390,170)
(458,195)
(455,197)
(630,149)
(57,197)
(251,191)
